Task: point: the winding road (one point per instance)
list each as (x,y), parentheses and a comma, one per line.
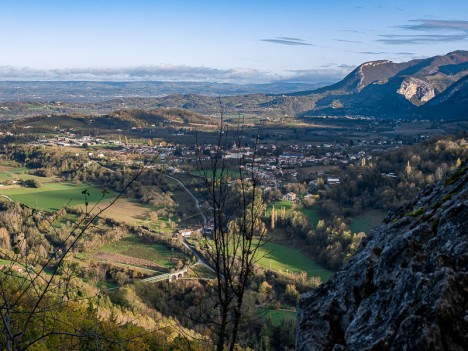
(197,203)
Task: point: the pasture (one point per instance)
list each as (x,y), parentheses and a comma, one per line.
(54,196)
(133,251)
(20,173)
(276,257)
(277,316)
(280,258)
(367,221)
(279,205)
(313,215)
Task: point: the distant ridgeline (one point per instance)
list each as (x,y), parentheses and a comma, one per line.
(431,88)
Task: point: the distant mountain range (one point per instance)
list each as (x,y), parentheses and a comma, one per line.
(426,87)
(435,88)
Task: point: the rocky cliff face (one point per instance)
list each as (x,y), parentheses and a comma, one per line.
(416,90)
(407,286)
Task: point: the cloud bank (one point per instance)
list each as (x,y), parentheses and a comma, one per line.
(143,73)
(171,74)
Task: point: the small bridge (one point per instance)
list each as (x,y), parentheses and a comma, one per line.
(170,277)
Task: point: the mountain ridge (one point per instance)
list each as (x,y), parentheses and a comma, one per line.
(386,88)
(430,88)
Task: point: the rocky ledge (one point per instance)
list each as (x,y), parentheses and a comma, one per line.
(407,286)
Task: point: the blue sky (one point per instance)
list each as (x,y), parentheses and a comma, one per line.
(226,41)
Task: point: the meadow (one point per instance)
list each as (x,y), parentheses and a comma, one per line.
(313,215)
(276,257)
(54,196)
(132,250)
(280,258)
(366,221)
(277,316)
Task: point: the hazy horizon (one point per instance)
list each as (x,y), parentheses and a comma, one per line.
(213,41)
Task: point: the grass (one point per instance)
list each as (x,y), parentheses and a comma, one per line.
(416,213)
(134,247)
(278,257)
(366,221)
(201,271)
(127,210)
(19,170)
(7,172)
(186,209)
(284,203)
(279,206)
(102,285)
(4,262)
(313,215)
(277,315)
(53,196)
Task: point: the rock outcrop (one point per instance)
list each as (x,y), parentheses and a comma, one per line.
(407,286)
(416,90)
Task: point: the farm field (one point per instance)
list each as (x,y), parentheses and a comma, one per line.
(11,173)
(277,257)
(54,196)
(313,215)
(4,262)
(279,205)
(133,251)
(126,210)
(277,315)
(366,221)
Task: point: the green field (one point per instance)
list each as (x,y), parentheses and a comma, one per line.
(54,196)
(278,257)
(134,247)
(7,172)
(279,205)
(313,215)
(4,262)
(276,315)
(283,203)
(366,221)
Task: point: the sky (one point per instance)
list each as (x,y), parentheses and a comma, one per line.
(237,41)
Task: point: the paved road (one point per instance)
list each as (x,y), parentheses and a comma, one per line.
(197,203)
(199,258)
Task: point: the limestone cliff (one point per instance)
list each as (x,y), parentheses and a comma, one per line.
(416,90)
(407,286)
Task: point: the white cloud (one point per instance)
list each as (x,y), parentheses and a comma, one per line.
(173,73)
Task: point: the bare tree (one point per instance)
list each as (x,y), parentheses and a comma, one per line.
(236,206)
